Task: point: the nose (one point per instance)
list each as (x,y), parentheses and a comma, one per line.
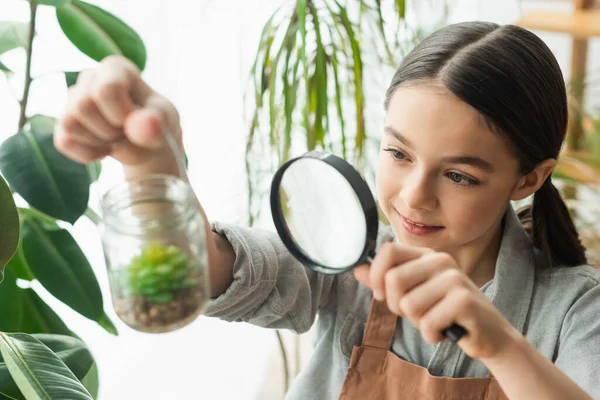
(418,191)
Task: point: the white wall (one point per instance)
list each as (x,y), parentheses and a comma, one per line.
(198,56)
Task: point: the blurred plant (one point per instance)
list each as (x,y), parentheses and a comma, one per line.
(42,357)
(578,169)
(309,86)
(310,90)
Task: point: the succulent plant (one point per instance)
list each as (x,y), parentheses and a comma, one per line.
(158,272)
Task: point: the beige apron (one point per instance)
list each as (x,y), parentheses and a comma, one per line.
(377,373)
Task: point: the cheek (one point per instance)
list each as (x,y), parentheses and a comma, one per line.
(387,184)
(475,211)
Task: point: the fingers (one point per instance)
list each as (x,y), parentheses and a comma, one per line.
(144,128)
(102,119)
(389,256)
(407,277)
(84,109)
(459,301)
(113,88)
(76,148)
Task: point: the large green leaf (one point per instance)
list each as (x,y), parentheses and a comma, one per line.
(91,381)
(9,225)
(13,35)
(19,267)
(38,317)
(43,367)
(98,33)
(59,264)
(27,313)
(11,304)
(45,178)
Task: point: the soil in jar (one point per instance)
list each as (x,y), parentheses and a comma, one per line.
(160,290)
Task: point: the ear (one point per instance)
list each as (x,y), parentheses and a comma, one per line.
(530,183)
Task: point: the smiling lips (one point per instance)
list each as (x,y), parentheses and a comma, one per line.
(417,228)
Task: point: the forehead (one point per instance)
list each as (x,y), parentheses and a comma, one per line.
(437,122)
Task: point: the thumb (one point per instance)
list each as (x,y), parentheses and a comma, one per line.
(144,128)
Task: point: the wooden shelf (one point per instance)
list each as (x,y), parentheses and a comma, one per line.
(580,24)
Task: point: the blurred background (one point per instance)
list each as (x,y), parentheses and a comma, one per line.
(238,80)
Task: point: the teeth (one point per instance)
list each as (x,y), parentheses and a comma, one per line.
(419,225)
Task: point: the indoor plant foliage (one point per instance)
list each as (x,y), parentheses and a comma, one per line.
(308,85)
(40,357)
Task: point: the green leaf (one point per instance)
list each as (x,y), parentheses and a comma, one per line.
(27,313)
(338,97)
(19,267)
(71,77)
(7,71)
(301,5)
(43,367)
(400,8)
(38,317)
(9,226)
(94,169)
(45,178)
(59,264)
(290,35)
(54,3)
(289,97)
(91,381)
(358,86)
(106,323)
(13,35)
(11,303)
(320,81)
(98,34)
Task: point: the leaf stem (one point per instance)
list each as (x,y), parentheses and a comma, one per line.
(23,102)
(93,216)
(38,214)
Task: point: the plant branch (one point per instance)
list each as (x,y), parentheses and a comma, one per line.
(92,216)
(23,115)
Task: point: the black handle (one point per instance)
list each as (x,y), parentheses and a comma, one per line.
(455,332)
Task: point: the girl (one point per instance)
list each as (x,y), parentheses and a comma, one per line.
(476,116)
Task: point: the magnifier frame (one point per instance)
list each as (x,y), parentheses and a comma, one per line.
(367,203)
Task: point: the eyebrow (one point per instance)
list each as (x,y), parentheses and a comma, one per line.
(473,161)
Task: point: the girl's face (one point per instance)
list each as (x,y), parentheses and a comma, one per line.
(444,179)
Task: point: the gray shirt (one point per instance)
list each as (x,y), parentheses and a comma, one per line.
(558,310)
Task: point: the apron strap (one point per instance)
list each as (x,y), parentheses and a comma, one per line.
(381,324)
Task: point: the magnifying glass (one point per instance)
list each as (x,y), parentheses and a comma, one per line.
(326,216)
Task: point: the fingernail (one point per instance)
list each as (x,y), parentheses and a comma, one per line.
(378,294)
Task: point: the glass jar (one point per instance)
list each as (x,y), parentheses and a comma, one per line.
(154,241)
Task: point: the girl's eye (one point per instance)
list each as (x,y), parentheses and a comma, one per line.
(461,179)
(397,154)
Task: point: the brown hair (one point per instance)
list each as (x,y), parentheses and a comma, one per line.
(512,78)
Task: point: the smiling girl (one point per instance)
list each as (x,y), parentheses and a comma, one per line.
(476,117)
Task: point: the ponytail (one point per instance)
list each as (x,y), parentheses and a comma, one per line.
(552,228)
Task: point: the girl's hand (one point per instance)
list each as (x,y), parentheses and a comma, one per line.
(430,290)
(111,111)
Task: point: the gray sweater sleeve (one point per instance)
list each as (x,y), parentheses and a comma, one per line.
(579,349)
(270,287)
